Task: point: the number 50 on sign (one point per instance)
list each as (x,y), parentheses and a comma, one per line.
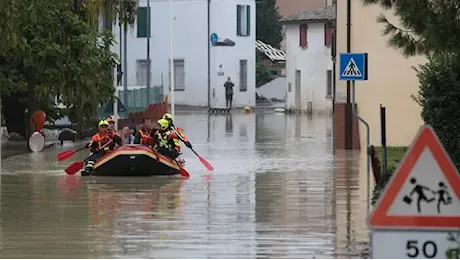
(416,245)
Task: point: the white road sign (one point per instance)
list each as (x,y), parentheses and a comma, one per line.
(389,244)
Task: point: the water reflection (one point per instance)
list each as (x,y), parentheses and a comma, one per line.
(228,124)
(276,192)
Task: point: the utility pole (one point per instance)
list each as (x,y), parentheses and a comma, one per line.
(171,56)
(125,65)
(148,53)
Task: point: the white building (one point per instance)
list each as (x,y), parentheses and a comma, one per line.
(230,19)
(308,60)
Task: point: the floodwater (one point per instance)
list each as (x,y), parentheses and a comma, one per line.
(277,191)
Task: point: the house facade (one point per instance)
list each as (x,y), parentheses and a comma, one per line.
(232,56)
(392,80)
(308,60)
(291,7)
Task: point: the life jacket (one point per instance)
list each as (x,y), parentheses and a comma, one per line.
(171,140)
(146,139)
(101,139)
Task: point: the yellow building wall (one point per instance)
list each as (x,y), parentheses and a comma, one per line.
(392,80)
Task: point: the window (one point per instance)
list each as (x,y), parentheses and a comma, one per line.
(179,75)
(142,21)
(243,20)
(327,34)
(303,28)
(329,83)
(243,75)
(141,72)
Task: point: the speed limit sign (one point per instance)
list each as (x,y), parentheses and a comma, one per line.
(418,214)
(388,244)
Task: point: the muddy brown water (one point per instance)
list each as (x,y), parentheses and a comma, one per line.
(277,191)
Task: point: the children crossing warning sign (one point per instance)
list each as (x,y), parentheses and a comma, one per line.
(424,192)
(352,69)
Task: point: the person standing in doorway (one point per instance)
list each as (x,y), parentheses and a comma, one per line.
(229,92)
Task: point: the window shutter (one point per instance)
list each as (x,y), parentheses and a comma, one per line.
(142,22)
(238,20)
(248,22)
(327,34)
(303,35)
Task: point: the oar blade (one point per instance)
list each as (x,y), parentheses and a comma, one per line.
(74,168)
(184,172)
(65,155)
(206,164)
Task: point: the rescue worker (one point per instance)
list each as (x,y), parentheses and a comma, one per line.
(166,141)
(99,145)
(144,135)
(179,130)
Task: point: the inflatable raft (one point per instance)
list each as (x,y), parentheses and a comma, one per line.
(134,160)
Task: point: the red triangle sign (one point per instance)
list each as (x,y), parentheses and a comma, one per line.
(424,192)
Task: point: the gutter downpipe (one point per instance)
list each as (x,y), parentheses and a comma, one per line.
(348,43)
(209,53)
(334,72)
(348,115)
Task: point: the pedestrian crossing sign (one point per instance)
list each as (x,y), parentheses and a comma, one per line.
(353,66)
(424,192)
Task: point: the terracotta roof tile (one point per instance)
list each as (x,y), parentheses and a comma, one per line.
(325,13)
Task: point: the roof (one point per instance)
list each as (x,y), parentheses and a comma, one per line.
(321,14)
(273,64)
(291,7)
(272,53)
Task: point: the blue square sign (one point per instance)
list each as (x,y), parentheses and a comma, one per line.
(353,66)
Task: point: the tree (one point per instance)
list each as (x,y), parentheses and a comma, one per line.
(439,96)
(268,27)
(59,52)
(263,73)
(427,26)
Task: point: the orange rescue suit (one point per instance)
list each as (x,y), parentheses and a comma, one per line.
(146,138)
(100,139)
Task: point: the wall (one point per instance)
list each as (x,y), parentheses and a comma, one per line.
(391,82)
(274,89)
(224,25)
(313,62)
(190,42)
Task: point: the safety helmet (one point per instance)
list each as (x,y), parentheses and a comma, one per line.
(103,122)
(168,116)
(164,124)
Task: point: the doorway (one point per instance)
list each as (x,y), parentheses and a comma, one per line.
(297,89)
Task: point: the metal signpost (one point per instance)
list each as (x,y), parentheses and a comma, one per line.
(353,66)
(418,215)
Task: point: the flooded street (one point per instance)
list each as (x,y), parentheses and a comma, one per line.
(277,191)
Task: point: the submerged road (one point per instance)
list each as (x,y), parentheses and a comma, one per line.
(276,192)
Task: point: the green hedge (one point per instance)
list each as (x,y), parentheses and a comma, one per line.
(394,156)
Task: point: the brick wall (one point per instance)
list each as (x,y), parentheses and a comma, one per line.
(153,112)
(346,136)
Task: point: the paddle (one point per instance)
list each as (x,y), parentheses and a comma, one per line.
(182,171)
(202,160)
(67,154)
(76,166)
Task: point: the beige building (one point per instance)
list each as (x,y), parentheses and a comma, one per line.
(392,80)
